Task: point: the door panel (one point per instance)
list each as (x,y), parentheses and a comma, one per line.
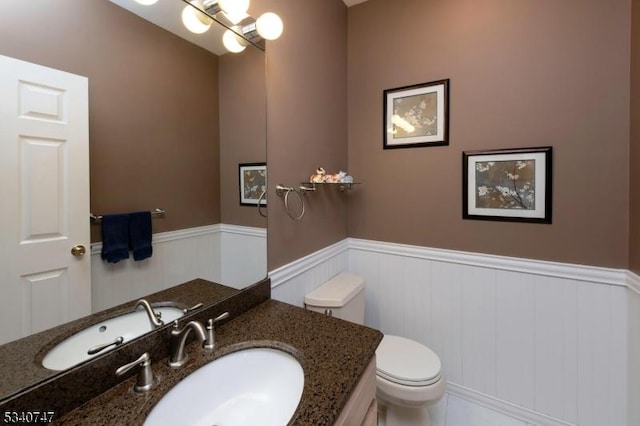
(44,196)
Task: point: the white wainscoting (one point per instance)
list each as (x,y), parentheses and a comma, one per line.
(634,348)
(180,256)
(291,282)
(542,342)
(244,258)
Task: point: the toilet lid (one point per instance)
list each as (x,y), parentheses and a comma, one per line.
(407,362)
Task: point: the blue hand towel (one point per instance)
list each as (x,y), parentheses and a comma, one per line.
(115,237)
(140,235)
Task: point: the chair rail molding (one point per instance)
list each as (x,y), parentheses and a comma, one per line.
(285,273)
(163,237)
(633,281)
(594,274)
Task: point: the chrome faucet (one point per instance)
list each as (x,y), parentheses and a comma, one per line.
(154,316)
(179,338)
(145,375)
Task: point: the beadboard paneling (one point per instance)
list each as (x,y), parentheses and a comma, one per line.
(446,320)
(553,345)
(180,256)
(244,257)
(479,329)
(541,342)
(291,282)
(514,349)
(633,304)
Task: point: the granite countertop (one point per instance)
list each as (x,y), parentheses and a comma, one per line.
(333,353)
(21,360)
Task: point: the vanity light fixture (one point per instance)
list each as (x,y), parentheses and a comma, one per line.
(266,27)
(198,16)
(244,28)
(196,21)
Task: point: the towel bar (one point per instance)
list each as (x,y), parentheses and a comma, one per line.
(98,219)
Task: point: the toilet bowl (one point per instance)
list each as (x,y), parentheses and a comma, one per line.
(408,377)
(408,374)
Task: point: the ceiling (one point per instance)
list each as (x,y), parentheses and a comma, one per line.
(167,15)
(350,3)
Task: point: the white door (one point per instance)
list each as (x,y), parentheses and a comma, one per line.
(44,198)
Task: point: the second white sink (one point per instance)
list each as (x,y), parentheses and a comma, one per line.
(257,386)
(74,349)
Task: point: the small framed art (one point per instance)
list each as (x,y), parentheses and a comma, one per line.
(253,183)
(417,115)
(507,185)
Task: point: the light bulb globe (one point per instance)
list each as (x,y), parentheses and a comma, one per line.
(232,42)
(234,7)
(195,21)
(147,2)
(269,26)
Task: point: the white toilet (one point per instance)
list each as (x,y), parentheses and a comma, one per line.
(408,374)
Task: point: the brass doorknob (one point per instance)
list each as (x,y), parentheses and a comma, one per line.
(78,250)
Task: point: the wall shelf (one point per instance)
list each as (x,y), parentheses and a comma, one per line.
(343,186)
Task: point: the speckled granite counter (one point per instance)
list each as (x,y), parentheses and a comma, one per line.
(20,361)
(333,353)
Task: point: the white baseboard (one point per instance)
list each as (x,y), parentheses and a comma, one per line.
(504,407)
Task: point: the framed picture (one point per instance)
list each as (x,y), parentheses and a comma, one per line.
(417,115)
(253,184)
(508,185)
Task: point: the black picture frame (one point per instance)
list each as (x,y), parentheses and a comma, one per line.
(416,115)
(252,183)
(513,185)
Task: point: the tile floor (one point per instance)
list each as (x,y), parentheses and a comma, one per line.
(455,411)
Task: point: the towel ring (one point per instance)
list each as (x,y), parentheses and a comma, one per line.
(286,204)
(263,195)
(284,191)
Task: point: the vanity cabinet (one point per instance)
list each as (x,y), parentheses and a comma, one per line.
(361,408)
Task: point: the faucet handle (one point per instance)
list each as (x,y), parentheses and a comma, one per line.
(221,317)
(193,308)
(144,381)
(210,343)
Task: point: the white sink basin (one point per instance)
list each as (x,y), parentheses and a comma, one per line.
(257,386)
(73,350)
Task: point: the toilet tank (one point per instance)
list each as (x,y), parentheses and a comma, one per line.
(341,297)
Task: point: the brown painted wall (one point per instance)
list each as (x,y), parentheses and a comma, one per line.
(243,129)
(306,123)
(152,102)
(524,73)
(634,194)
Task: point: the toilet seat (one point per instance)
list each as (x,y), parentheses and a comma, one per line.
(407,362)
